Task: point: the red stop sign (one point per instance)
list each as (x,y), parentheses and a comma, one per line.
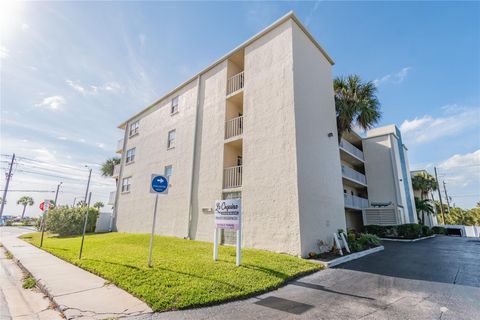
(42,205)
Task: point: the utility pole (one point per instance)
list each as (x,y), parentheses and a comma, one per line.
(439,195)
(56,194)
(446,196)
(7,182)
(88,185)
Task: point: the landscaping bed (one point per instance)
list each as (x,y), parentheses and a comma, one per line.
(183,275)
(409,231)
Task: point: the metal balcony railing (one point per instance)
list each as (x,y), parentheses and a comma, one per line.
(347,146)
(355,202)
(111,198)
(233,127)
(349,173)
(119,146)
(116,171)
(232,177)
(235,83)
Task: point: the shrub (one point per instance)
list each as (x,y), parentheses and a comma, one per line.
(405,231)
(375,229)
(29,283)
(410,230)
(369,240)
(69,221)
(9,223)
(439,230)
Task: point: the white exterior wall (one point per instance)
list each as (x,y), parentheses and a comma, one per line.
(320,189)
(269,191)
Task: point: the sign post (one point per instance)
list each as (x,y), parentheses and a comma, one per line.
(85,225)
(228,216)
(44,206)
(158,185)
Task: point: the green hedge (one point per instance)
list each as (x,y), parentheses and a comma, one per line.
(402,231)
(66,221)
(439,230)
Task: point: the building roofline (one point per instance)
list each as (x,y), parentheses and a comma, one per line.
(286,17)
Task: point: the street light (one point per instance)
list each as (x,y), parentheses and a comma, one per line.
(88,183)
(56,193)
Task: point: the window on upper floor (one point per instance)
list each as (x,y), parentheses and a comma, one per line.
(133,130)
(130,155)
(171,139)
(126,182)
(168,173)
(174,105)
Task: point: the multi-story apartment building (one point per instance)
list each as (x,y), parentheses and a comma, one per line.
(258,124)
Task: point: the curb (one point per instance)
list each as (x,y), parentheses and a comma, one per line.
(39,283)
(350,257)
(407,240)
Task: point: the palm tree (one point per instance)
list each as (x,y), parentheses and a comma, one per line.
(356,104)
(423,206)
(98,205)
(108,165)
(25,201)
(425,183)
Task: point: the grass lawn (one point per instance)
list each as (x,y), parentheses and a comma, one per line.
(183,274)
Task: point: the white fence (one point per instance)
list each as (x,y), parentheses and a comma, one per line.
(233,127)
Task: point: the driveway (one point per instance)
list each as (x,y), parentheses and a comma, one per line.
(437,278)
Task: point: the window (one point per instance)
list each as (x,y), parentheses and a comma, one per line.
(126,184)
(174,107)
(134,128)
(130,155)
(168,173)
(171,139)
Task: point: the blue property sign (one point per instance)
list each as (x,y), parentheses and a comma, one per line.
(159,184)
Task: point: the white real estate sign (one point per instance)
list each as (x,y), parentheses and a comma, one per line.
(228,215)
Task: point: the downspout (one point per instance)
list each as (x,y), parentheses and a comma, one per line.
(120,175)
(194,152)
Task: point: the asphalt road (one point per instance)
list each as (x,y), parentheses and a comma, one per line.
(437,278)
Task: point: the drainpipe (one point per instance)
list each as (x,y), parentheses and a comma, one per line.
(194,152)
(120,175)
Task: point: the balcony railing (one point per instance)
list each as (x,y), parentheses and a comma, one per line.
(355,202)
(353,175)
(116,171)
(111,198)
(119,146)
(351,149)
(232,177)
(235,83)
(233,127)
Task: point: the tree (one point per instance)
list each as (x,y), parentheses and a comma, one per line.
(425,183)
(81,203)
(98,205)
(356,104)
(423,206)
(25,201)
(108,165)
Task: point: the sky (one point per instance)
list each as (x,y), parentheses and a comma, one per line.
(71,72)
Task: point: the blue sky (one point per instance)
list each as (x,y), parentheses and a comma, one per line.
(72,71)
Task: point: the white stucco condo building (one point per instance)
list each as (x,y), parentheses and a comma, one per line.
(258,124)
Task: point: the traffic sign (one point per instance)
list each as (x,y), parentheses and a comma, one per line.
(159,184)
(42,205)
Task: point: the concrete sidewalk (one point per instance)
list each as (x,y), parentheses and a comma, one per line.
(78,293)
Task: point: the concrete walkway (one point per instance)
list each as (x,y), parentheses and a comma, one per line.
(78,293)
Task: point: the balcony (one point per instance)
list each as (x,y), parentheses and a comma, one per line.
(233,127)
(354,176)
(119,146)
(232,177)
(116,171)
(111,198)
(235,83)
(350,148)
(355,202)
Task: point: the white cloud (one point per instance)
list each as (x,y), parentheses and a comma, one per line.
(397,77)
(142,38)
(462,170)
(53,102)
(100,145)
(112,87)
(4,53)
(428,128)
(311,13)
(25,26)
